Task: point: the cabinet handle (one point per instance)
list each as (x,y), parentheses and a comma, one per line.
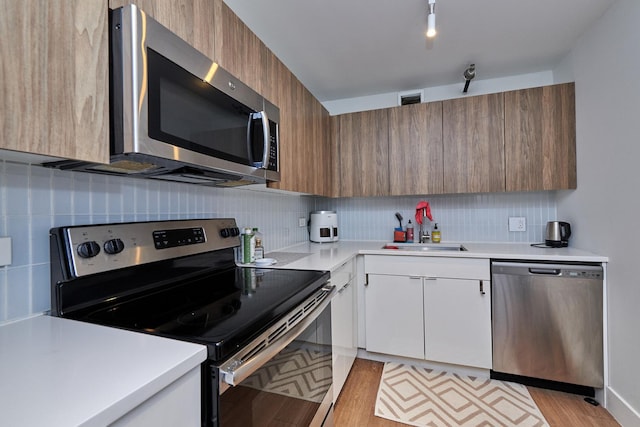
(482,292)
(342,289)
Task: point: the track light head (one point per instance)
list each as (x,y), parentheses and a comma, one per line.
(470,72)
(431,19)
(468,75)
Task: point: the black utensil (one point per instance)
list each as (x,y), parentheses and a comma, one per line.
(399,219)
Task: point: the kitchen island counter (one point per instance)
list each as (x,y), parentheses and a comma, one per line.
(60,372)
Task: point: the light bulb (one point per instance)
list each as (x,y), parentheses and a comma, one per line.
(431,25)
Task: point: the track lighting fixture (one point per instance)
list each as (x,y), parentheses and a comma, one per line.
(431,18)
(468,75)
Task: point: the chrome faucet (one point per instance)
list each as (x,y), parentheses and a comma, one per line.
(423,234)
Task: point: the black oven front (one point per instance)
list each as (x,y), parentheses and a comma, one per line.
(292,387)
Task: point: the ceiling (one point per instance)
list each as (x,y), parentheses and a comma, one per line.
(348,48)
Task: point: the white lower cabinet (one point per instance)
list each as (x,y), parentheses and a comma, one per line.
(176,405)
(394,315)
(438,309)
(457,321)
(344,333)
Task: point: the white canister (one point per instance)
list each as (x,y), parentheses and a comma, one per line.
(323,226)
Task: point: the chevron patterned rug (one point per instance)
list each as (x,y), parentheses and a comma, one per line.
(303,372)
(426,397)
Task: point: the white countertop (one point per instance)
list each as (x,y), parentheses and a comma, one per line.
(60,372)
(329,256)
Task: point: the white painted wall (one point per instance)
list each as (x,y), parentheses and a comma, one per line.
(604,210)
(439,93)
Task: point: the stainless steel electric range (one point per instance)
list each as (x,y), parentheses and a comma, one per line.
(267,331)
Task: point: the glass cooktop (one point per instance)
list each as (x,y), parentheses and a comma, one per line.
(222,310)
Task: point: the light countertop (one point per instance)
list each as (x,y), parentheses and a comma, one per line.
(329,256)
(61,372)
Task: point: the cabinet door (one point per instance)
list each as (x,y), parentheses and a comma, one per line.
(305,150)
(191,20)
(364,153)
(415,149)
(238,49)
(457,321)
(540,138)
(473,138)
(342,336)
(54,78)
(394,315)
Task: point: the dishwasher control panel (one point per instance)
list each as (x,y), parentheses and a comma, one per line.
(582,274)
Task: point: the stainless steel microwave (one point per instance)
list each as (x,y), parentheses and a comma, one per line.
(177,115)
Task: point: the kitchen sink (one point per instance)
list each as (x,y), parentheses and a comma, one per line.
(424,247)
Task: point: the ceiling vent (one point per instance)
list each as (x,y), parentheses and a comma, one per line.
(411,97)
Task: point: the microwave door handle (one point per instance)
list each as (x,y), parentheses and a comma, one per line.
(265,141)
(266,133)
(252,117)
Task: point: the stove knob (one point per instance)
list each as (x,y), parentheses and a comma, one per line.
(88,249)
(235,231)
(113,246)
(225,232)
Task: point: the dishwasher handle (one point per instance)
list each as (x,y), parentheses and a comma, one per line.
(545,271)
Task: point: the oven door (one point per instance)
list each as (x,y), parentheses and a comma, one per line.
(292,385)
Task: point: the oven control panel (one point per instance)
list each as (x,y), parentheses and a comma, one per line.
(164,239)
(94,249)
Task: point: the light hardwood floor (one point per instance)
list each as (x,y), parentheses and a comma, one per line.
(355,406)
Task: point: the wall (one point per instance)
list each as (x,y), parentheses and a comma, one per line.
(477,87)
(462,218)
(604,209)
(34,199)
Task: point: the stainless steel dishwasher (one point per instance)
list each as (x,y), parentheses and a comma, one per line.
(547,321)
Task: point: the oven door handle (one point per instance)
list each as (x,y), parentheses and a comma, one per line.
(234,371)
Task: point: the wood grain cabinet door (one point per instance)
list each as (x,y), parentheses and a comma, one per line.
(363,146)
(191,20)
(238,49)
(540,138)
(473,138)
(54,78)
(415,149)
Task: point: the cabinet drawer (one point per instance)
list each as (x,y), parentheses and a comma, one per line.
(456,268)
(343,274)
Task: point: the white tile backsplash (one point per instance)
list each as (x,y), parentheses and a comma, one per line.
(33,199)
(463,218)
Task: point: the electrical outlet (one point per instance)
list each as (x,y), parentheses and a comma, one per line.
(5,251)
(302,222)
(517,223)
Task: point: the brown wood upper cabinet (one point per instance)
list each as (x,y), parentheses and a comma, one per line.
(238,49)
(191,20)
(305,150)
(54,78)
(415,149)
(473,137)
(540,138)
(363,149)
